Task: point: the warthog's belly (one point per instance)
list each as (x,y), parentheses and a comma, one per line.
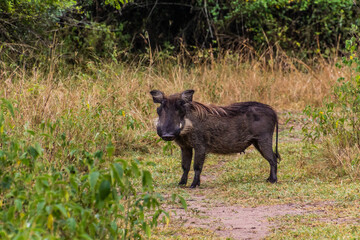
(227,148)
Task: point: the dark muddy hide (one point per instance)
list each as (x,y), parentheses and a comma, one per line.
(201,129)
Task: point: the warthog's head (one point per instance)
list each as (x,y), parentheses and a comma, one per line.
(172,111)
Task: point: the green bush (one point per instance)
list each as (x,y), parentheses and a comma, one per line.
(299,27)
(27,28)
(337,123)
(53,188)
(91,29)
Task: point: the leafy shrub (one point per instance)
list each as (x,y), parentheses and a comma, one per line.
(90,196)
(298,27)
(337,123)
(27,28)
(90,41)
(114,29)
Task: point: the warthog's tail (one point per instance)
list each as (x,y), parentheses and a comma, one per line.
(276,148)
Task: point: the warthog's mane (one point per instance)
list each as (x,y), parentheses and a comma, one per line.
(203,110)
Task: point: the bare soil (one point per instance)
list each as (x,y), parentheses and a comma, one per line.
(234,222)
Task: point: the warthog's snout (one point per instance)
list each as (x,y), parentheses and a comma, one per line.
(168,137)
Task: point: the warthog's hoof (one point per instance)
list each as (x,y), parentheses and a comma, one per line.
(271,180)
(194,184)
(182,183)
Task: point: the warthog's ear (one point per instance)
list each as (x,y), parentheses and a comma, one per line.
(158,96)
(187,95)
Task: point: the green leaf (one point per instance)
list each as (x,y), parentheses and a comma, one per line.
(99,154)
(18,204)
(39,149)
(61,209)
(110,149)
(31,132)
(93,178)
(119,169)
(9,106)
(40,206)
(85,236)
(147,180)
(71,223)
(135,169)
(117,173)
(10,213)
(104,189)
(113,227)
(147,230)
(6,182)
(173,197)
(183,202)
(33,152)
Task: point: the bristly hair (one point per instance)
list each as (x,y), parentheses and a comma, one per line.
(202,110)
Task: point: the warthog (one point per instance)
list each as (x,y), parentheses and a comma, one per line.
(215,129)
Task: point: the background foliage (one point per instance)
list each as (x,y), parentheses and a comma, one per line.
(337,123)
(93,29)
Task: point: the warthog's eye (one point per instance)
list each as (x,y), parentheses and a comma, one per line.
(180,106)
(180,103)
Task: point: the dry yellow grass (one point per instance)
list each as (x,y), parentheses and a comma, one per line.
(225,82)
(40,96)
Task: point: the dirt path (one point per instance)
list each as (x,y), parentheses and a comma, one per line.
(234,222)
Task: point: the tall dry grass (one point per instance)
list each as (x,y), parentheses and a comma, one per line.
(342,160)
(116,96)
(229,80)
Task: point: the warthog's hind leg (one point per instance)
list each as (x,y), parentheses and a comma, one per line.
(264,146)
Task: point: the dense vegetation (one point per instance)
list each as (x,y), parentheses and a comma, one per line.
(337,122)
(97,29)
(77,145)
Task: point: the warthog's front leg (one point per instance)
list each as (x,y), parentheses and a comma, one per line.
(186,157)
(198,165)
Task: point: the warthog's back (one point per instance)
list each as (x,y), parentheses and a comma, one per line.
(230,129)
